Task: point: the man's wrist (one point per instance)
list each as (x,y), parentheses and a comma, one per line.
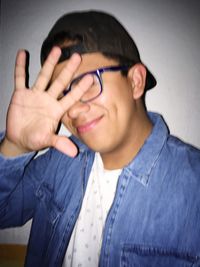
(9,149)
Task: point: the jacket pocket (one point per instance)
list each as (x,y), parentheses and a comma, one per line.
(149,256)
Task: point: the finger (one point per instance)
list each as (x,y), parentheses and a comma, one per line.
(46,71)
(75,95)
(64,145)
(20,70)
(65,76)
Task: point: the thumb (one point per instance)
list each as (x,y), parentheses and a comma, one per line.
(64,145)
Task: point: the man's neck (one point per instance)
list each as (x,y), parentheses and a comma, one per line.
(122,156)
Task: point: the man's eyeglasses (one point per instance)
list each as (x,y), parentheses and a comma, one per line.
(97,87)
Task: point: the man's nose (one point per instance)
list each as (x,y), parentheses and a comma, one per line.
(77,109)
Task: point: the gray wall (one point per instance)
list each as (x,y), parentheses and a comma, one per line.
(168,36)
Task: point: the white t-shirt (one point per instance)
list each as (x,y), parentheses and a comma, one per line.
(85,243)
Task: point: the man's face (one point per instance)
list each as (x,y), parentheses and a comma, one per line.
(107,123)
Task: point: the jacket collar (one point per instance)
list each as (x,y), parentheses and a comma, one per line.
(141,166)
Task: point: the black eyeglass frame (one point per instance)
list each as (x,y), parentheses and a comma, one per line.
(98,74)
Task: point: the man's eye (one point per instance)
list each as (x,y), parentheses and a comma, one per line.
(75,82)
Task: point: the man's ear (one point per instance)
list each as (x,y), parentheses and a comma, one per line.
(137,77)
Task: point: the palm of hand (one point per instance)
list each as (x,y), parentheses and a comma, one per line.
(32,118)
(34,114)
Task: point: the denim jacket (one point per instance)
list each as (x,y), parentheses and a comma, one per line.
(154,219)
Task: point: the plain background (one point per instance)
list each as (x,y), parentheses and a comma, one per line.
(166,32)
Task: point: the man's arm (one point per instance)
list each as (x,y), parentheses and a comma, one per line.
(14,190)
(32,120)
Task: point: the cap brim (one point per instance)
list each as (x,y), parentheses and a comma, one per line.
(150,80)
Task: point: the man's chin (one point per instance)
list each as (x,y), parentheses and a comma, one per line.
(95,144)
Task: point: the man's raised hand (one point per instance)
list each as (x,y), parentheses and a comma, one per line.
(34,114)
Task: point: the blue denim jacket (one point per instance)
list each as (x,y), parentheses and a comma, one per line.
(154,219)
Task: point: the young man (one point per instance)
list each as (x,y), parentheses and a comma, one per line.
(120,191)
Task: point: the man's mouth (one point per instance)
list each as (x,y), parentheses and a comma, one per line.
(88,126)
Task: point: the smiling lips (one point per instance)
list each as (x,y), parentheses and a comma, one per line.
(88,126)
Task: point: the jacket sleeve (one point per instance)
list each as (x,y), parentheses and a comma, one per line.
(18,186)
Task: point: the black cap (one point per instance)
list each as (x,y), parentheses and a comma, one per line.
(93,31)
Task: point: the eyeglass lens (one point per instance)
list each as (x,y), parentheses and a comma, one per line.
(93,91)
